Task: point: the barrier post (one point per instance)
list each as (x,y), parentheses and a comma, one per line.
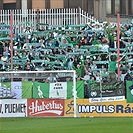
(11,39)
(118,52)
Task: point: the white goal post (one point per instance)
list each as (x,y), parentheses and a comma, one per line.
(11,76)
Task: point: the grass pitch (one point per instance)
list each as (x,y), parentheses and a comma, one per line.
(66,125)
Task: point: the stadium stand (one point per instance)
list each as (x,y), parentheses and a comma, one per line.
(84,48)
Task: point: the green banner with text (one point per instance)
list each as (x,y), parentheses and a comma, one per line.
(61,90)
(129,91)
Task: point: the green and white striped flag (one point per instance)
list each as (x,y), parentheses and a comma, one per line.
(18,90)
(61,90)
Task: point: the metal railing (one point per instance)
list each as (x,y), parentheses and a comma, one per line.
(48,16)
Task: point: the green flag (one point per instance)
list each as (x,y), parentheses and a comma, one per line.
(27,89)
(62,90)
(129,91)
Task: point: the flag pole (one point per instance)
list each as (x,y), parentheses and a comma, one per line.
(11,43)
(11,40)
(118,51)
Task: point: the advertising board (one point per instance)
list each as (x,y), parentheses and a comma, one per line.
(109,109)
(45,107)
(13,108)
(110,92)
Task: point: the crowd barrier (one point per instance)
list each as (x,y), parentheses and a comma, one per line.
(63,108)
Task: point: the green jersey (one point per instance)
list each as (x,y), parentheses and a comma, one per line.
(112,66)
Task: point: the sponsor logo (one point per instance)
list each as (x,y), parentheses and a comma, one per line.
(18,87)
(13,108)
(93,93)
(101,108)
(70,108)
(119,108)
(96,108)
(43,107)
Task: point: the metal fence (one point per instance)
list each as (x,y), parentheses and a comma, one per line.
(47,16)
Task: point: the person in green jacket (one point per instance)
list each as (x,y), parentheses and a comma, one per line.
(79,69)
(112,66)
(74,41)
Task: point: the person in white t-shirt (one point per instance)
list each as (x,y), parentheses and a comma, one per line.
(86,77)
(52,78)
(4,57)
(27,44)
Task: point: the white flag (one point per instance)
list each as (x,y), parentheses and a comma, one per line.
(16,88)
(58,90)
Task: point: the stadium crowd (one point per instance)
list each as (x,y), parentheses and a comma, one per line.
(90,49)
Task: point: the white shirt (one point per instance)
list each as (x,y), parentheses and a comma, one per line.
(86,77)
(115,44)
(4,58)
(27,45)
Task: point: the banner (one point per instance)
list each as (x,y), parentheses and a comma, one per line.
(27,89)
(129,91)
(5,90)
(58,90)
(13,108)
(110,92)
(101,109)
(62,90)
(16,90)
(45,107)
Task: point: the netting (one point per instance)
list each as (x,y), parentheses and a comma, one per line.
(58,85)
